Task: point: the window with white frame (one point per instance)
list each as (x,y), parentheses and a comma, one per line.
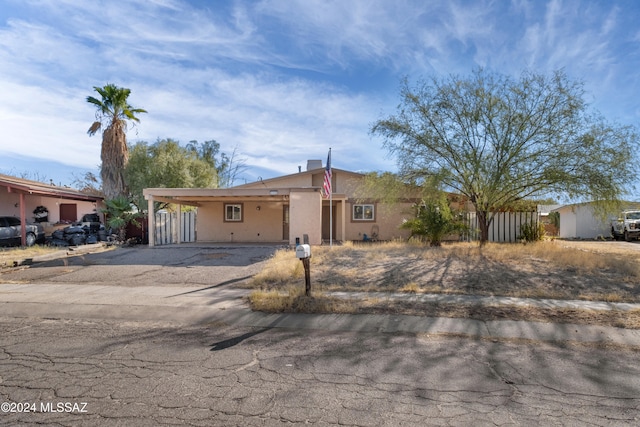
(362,212)
(233,212)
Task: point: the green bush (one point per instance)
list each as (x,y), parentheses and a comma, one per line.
(118,214)
(433,220)
(532,232)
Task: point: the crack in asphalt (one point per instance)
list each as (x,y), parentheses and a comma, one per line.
(130,373)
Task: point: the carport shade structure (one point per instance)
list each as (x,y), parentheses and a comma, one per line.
(263,213)
(26,188)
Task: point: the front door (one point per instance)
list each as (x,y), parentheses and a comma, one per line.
(326,220)
(285,222)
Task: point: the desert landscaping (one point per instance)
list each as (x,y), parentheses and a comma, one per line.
(560,270)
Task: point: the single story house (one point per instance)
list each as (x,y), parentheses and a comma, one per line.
(33,201)
(286,209)
(580,221)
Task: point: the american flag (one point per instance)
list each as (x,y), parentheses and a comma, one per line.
(327,177)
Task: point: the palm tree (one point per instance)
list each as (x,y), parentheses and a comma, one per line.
(112,115)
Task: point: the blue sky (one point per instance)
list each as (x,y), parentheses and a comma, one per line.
(281,80)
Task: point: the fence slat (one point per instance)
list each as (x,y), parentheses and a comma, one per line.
(505,226)
(166,223)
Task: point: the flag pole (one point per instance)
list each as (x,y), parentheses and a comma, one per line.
(331,207)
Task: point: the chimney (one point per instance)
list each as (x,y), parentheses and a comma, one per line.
(314,164)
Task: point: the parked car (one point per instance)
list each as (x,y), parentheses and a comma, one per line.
(10,232)
(627,226)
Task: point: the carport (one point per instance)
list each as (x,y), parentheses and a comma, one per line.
(25,194)
(249,215)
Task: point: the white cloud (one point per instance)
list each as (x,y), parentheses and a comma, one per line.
(272,77)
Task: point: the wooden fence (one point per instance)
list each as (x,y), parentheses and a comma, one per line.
(166,230)
(505,226)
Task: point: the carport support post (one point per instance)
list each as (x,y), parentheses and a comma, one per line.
(307,276)
(23,221)
(151,216)
(179,224)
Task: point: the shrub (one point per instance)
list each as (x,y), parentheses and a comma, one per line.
(433,220)
(532,232)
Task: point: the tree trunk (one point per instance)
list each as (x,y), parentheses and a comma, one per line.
(483,223)
(114,158)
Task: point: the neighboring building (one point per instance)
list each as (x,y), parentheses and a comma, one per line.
(287,208)
(21,197)
(543,211)
(580,221)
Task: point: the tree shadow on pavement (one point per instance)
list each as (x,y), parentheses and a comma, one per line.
(221,345)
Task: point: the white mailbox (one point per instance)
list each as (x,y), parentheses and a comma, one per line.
(303,251)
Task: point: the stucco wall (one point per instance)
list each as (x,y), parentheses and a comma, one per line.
(295,180)
(263,225)
(341,181)
(348,183)
(567,223)
(579,221)
(8,206)
(387,222)
(306,216)
(589,226)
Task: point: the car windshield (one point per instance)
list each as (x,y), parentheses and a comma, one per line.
(12,221)
(633,215)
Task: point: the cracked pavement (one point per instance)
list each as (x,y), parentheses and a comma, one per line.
(146,359)
(140,373)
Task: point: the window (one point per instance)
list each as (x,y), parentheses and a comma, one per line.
(233,213)
(363,213)
(68,212)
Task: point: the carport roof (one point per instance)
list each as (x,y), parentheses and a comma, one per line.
(19,185)
(194,196)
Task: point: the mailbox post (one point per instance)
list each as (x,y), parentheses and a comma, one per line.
(303,253)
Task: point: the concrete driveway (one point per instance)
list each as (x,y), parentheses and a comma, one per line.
(187,265)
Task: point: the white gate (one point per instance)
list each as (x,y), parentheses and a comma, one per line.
(166,231)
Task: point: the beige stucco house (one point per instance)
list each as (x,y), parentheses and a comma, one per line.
(286,208)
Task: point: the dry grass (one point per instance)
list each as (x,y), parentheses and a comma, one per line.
(282,268)
(295,300)
(542,270)
(410,288)
(10,257)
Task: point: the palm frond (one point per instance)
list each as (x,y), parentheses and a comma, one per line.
(95,127)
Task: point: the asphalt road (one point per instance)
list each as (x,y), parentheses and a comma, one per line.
(137,373)
(94,367)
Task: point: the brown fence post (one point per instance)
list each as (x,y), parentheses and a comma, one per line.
(307,276)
